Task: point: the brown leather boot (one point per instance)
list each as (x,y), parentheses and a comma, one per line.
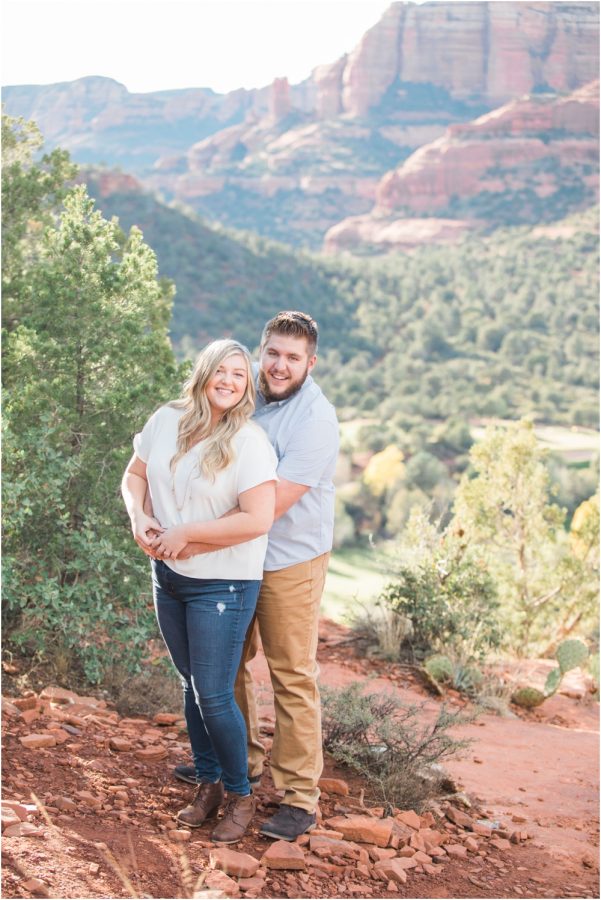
(237,814)
(207,800)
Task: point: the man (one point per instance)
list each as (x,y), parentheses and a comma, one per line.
(302,427)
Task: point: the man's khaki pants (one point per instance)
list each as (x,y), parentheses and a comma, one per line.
(286,620)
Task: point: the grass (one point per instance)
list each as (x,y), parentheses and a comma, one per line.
(574,444)
(354,575)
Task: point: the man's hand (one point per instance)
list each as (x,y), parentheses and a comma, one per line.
(194,549)
(170,543)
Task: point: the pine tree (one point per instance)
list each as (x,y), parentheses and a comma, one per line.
(88,361)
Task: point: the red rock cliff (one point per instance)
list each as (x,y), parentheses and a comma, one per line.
(489,50)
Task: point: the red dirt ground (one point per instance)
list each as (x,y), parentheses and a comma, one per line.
(540,770)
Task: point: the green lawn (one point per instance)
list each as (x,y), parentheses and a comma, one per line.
(354,575)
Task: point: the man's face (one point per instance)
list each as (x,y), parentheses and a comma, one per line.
(284,363)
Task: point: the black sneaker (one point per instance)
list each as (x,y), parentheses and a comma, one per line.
(185,773)
(288,823)
(188,773)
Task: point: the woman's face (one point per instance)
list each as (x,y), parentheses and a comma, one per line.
(227,386)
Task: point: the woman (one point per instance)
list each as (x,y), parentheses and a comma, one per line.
(200,457)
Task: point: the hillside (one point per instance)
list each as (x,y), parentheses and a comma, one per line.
(227,283)
(101,821)
(291,161)
(502,325)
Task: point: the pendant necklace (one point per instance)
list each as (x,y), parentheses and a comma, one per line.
(193,469)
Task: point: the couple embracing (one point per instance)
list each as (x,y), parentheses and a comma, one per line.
(230,492)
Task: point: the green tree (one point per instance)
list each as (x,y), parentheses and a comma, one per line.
(87,362)
(31,192)
(504,508)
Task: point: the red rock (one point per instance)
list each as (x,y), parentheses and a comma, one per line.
(219,881)
(363,829)
(391,869)
(417,842)
(432,836)
(9,818)
(121,745)
(240,865)
(165,718)
(427,820)
(422,858)
(326,832)
(283,855)
(461,819)
(334,786)
(456,850)
(332,847)
(65,804)
(36,741)
(378,853)
(500,843)
(29,715)
(9,709)
(407,852)
(93,868)
(179,836)
(60,736)
(25,703)
(151,754)
(35,885)
(89,799)
(251,884)
(59,695)
(484,830)
(18,808)
(409,818)
(476,50)
(472,844)
(433,850)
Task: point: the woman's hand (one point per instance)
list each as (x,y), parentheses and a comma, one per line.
(145,530)
(170,543)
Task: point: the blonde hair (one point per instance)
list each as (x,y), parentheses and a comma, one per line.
(195,424)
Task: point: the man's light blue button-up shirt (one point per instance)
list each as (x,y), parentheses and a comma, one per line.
(303,431)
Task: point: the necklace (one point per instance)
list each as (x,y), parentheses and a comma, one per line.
(193,470)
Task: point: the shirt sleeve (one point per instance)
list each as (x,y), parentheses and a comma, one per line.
(309,452)
(257,463)
(143,439)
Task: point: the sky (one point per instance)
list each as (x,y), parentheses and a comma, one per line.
(150,45)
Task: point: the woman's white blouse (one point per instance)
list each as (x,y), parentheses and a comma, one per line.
(188,496)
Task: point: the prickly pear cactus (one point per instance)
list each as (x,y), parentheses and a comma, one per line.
(552,682)
(571,654)
(528,697)
(440,668)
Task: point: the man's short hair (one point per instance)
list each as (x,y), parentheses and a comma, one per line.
(295,324)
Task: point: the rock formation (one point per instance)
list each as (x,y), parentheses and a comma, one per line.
(443,79)
(530,148)
(490,50)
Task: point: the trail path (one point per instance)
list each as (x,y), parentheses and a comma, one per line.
(106,826)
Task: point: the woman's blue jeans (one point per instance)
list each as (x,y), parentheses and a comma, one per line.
(203,623)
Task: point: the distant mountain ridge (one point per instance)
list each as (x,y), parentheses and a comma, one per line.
(292,161)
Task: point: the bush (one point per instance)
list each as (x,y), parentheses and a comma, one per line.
(394,747)
(445,592)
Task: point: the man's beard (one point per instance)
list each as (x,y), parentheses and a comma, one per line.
(292,388)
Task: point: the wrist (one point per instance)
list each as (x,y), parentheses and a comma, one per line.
(184,532)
